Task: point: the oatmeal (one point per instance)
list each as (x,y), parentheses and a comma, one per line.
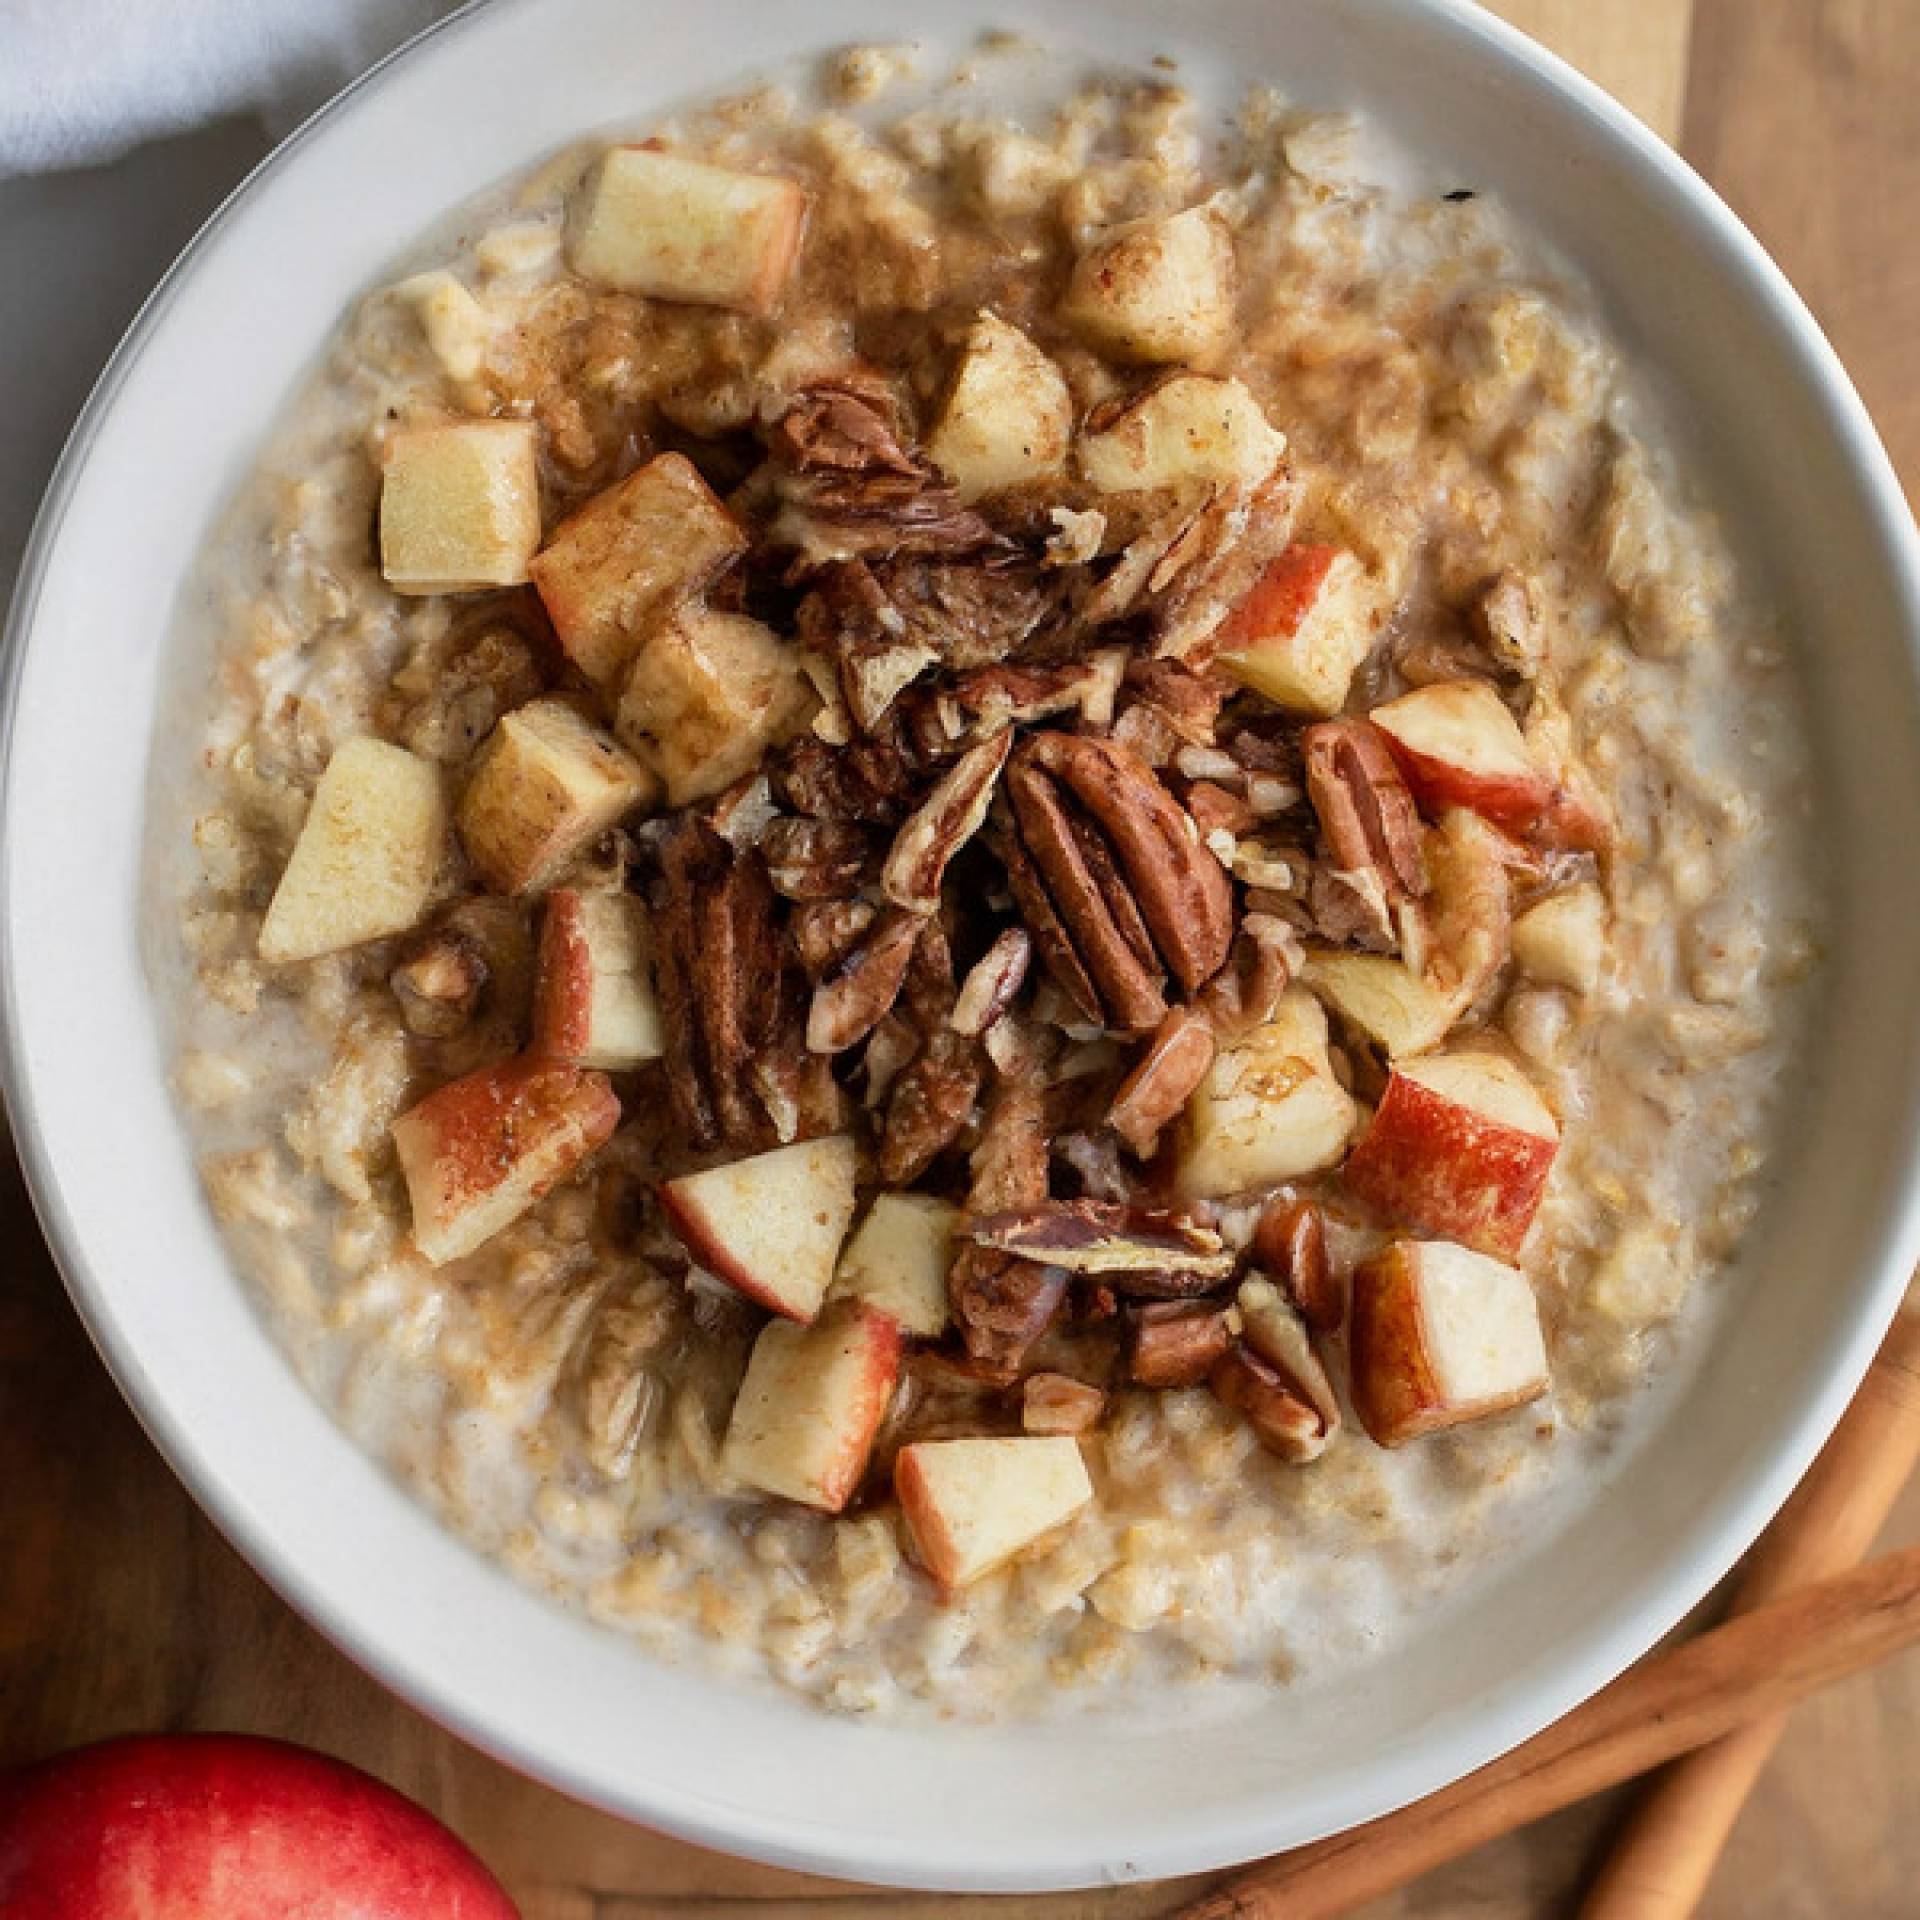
(984,909)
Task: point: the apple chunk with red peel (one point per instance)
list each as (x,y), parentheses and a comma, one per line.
(1302,633)
(593,1001)
(971,1505)
(1461,1145)
(811,1402)
(479,1152)
(1441,1335)
(770,1225)
(1459,747)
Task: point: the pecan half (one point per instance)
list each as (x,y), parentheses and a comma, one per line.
(853,998)
(1162,1080)
(1176,1343)
(941,825)
(1365,810)
(1085,1236)
(1290,1242)
(1057,1403)
(817,859)
(992,982)
(1112,878)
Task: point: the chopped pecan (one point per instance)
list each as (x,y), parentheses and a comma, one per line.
(859,991)
(930,1101)
(992,982)
(440,982)
(1365,810)
(826,931)
(1119,884)
(1286,1424)
(1175,1343)
(1246,992)
(797,1088)
(1215,810)
(941,825)
(872,780)
(1275,1341)
(1290,1243)
(849,619)
(1085,1236)
(818,859)
(718,962)
(848,486)
(1009,1166)
(1189,702)
(1057,1403)
(743,812)
(1162,1080)
(1003,1306)
(892,1044)
(973,612)
(987,700)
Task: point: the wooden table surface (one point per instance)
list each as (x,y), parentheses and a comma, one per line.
(122,1609)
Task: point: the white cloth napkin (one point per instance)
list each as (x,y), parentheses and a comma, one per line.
(83,80)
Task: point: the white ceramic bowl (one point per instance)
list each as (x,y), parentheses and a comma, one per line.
(172,429)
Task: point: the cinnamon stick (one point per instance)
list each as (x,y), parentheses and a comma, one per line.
(1758,1663)
(1660,1866)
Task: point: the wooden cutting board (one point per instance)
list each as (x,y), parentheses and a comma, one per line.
(121,1609)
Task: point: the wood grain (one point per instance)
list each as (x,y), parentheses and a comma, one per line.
(121,1608)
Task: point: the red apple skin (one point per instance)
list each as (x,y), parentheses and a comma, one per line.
(216,1826)
(1433,1165)
(1281,598)
(563,984)
(1533,807)
(1393,1388)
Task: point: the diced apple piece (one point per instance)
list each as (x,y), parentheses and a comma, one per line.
(1461,1146)
(547,784)
(897,1261)
(1268,1110)
(971,1505)
(770,1225)
(1304,631)
(1383,998)
(617,567)
(1441,1335)
(367,858)
(453,321)
(1008,416)
(1156,290)
(1469,907)
(479,1152)
(1562,940)
(459,506)
(677,229)
(594,1003)
(705,697)
(812,1401)
(1459,747)
(1185,433)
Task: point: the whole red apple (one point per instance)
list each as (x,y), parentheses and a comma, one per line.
(218,1826)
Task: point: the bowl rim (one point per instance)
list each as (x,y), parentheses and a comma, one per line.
(791,1843)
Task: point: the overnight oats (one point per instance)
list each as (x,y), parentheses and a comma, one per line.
(982,910)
